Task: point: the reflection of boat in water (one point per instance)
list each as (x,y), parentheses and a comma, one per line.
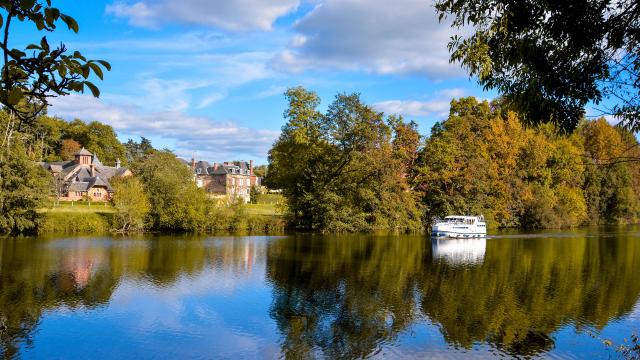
(459,227)
(459,251)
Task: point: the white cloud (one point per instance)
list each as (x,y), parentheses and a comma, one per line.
(413,107)
(452,93)
(210,99)
(384,37)
(210,139)
(273,90)
(236,15)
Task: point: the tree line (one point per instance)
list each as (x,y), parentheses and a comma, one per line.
(353,169)
(161,195)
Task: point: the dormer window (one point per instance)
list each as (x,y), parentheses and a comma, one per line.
(198,171)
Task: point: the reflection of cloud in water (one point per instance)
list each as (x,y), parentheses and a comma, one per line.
(459,251)
(635,313)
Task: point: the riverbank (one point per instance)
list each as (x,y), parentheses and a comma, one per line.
(94,218)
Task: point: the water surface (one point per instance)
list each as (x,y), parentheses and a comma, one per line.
(554,294)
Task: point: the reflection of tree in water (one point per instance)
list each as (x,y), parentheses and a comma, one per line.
(32,281)
(342,296)
(525,290)
(345,297)
(40,275)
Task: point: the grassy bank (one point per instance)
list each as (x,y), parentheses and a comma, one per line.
(94,218)
(78,207)
(75,222)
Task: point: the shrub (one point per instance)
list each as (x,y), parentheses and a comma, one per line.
(74,223)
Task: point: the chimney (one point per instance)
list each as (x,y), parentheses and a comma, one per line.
(93,170)
(118,163)
(215,166)
(251,167)
(193,163)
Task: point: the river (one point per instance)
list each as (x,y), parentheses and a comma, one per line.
(550,294)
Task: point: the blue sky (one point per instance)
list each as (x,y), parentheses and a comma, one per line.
(206,77)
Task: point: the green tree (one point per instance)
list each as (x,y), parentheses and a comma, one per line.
(176,202)
(98,138)
(131,204)
(23,189)
(337,170)
(260,170)
(135,151)
(551,58)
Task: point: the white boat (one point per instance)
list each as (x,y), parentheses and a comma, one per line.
(459,227)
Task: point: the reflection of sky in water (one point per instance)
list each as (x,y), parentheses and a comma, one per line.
(225,309)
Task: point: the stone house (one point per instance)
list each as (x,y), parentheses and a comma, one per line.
(229,179)
(85,176)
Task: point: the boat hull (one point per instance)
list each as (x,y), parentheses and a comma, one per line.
(452,234)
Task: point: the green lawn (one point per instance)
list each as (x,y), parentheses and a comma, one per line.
(262,209)
(79,207)
(270,209)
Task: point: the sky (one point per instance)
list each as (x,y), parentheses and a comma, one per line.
(206,78)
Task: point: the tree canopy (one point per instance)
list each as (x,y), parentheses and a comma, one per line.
(177,204)
(483,160)
(552,58)
(340,171)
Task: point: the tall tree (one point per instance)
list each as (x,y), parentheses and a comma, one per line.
(338,170)
(176,202)
(23,189)
(552,58)
(131,204)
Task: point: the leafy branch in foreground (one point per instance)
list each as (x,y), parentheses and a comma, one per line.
(552,58)
(32,75)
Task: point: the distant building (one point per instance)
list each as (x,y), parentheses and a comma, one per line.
(229,179)
(85,176)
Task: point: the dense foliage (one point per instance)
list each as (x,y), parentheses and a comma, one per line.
(341,171)
(54,139)
(131,204)
(23,189)
(350,170)
(552,58)
(482,160)
(176,202)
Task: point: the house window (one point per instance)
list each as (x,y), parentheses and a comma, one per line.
(198,171)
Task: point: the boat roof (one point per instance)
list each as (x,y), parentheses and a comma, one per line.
(461,217)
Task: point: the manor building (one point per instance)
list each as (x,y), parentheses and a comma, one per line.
(229,179)
(85,177)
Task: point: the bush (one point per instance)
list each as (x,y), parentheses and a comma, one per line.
(233,218)
(74,223)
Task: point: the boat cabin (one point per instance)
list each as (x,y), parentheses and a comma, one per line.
(467,220)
